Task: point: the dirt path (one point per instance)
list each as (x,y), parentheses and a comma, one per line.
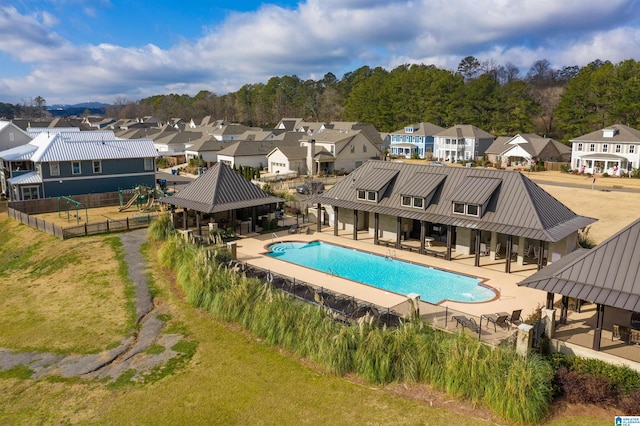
(130,354)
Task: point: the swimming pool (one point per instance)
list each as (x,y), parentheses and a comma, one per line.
(433,285)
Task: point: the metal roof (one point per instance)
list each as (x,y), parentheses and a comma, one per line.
(78,146)
(220,189)
(607,274)
(475,190)
(375,180)
(518,206)
(26,179)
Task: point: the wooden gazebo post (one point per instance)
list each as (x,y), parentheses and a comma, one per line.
(335,221)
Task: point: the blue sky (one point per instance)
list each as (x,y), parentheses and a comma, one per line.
(70,51)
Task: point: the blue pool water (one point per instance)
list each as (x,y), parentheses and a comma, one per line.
(433,285)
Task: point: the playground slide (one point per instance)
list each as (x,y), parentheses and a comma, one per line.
(130,202)
(149,203)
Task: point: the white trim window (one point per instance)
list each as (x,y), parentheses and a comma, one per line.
(458,208)
(618,148)
(54,168)
(473,210)
(367,195)
(149,163)
(592,147)
(605,147)
(76,168)
(97,166)
(406,201)
(30,193)
(579,148)
(632,149)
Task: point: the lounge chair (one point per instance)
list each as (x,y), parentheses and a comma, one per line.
(515,318)
(294,229)
(497,320)
(483,249)
(469,323)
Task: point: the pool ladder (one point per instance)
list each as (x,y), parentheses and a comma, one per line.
(333,272)
(390,254)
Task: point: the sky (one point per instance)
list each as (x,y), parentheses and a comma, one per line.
(72,51)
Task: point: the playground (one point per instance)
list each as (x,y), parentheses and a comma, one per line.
(141,201)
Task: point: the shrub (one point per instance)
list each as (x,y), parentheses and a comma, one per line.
(584,240)
(565,168)
(580,388)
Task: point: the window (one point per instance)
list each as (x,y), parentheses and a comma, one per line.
(406,201)
(364,148)
(458,208)
(618,148)
(371,195)
(418,202)
(353,149)
(361,195)
(11,136)
(148,164)
(54,169)
(592,147)
(473,210)
(97,166)
(605,147)
(579,147)
(632,149)
(408,129)
(75,168)
(30,193)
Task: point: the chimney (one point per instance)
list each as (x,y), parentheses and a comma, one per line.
(311,147)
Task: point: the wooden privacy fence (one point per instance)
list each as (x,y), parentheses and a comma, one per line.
(93,228)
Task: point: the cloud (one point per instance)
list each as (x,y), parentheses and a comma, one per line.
(316,37)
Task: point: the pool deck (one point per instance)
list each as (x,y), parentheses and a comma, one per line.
(510,297)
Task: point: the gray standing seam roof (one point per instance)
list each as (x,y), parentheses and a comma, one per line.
(475,190)
(518,206)
(375,180)
(606,274)
(220,189)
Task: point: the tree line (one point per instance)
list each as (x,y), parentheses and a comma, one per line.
(560,103)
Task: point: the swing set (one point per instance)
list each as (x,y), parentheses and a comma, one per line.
(70,202)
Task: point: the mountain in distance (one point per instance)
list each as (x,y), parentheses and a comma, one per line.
(77,109)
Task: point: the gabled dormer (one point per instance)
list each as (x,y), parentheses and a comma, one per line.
(419,192)
(371,188)
(471,197)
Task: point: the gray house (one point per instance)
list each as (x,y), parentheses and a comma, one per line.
(61,163)
(497,213)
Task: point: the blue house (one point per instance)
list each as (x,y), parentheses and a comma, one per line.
(70,163)
(414,139)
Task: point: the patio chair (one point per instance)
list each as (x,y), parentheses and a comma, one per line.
(497,320)
(515,318)
(498,251)
(469,323)
(483,249)
(294,229)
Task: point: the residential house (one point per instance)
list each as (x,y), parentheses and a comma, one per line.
(613,150)
(344,150)
(526,149)
(12,135)
(414,140)
(71,163)
(462,142)
(207,149)
(296,160)
(248,153)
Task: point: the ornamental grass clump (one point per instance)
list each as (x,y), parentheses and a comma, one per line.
(514,387)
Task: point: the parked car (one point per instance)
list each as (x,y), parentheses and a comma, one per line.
(315,187)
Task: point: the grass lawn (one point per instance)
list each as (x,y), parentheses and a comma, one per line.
(231,379)
(59,296)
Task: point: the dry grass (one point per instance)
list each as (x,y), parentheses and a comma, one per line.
(100,214)
(59,296)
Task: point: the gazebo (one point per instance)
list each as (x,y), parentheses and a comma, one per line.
(223,195)
(606,275)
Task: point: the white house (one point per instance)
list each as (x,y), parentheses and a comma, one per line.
(526,149)
(461,142)
(612,150)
